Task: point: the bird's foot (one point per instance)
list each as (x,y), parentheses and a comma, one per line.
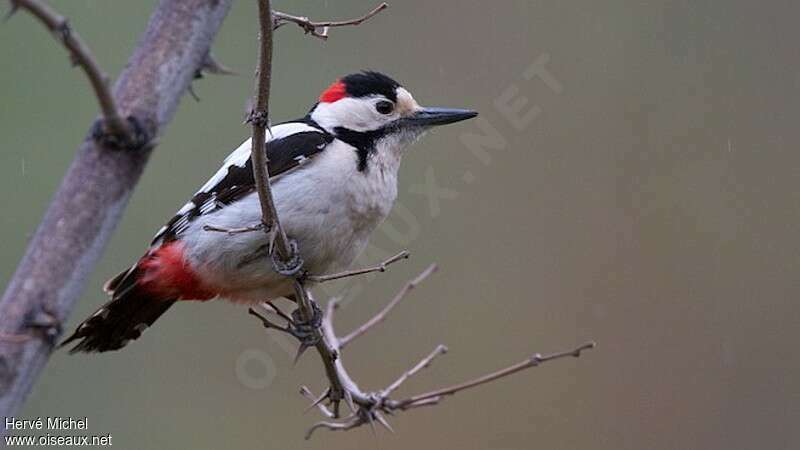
(306,330)
(303,330)
(291,266)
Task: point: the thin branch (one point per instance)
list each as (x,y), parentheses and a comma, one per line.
(533,361)
(349,423)
(425,362)
(378,318)
(352,273)
(259,119)
(312,28)
(80,56)
(285,250)
(233,231)
(266,322)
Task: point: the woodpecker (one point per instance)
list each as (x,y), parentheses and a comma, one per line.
(334,180)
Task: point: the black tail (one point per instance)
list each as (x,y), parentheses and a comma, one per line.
(123,319)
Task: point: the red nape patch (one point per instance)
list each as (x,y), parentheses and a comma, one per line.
(336,91)
(165,273)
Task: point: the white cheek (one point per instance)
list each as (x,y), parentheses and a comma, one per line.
(357,114)
(357,120)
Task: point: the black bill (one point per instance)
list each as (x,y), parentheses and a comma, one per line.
(427,117)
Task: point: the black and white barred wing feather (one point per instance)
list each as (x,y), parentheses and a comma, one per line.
(289,146)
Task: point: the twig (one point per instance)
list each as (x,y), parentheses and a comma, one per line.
(265,320)
(232,231)
(351,273)
(533,361)
(349,423)
(80,56)
(425,362)
(311,27)
(378,318)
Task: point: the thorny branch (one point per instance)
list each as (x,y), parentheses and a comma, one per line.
(258,119)
(81,56)
(285,251)
(365,407)
(371,406)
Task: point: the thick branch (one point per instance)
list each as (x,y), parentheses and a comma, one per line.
(82,57)
(90,201)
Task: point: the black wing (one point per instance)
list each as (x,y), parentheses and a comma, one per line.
(292,144)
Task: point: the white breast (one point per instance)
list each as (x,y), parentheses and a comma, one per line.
(328,206)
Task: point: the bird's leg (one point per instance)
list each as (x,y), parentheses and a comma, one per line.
(292,265)
(305,330)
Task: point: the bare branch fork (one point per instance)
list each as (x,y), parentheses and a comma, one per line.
(365,407)
(369,407)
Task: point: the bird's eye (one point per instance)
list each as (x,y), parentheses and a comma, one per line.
(384,107)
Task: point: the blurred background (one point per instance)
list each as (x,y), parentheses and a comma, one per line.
(632,180)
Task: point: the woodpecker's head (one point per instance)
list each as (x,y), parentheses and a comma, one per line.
(367,108)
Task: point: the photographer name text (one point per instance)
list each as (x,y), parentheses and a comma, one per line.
(47,423)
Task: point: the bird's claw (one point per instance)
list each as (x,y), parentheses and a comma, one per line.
(306,330)
(293,265)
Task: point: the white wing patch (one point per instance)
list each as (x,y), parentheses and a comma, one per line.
(209,205)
